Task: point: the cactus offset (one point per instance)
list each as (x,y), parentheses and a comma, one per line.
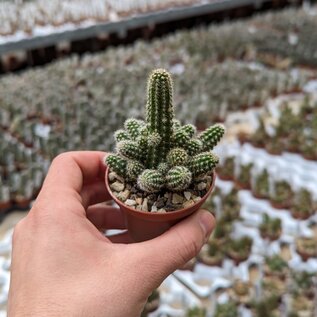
(178,178)
(211,136)
(159,115)
(160,153)
(151,181)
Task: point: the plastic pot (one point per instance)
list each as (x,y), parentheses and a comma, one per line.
(148,225)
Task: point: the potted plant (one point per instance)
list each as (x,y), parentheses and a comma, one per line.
(303,284)
(302,305)
(261,188)
(231,206)
(243,180)
(275,145)
(196,312)
(162,172)
(306,248)
(239,249)
(282,196)
(270,228)
(226,170)
(266,307)
(275,266)
(221,231)
(260,135)
(228,309)
(272,286)
(211,254)
(241,292)
(303,206)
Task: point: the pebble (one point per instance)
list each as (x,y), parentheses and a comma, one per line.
(130,202)
(177,199)
(209,180)
(188,203)
(144,205)
(123,196)
(154,208)
(187,195)
(197,198)
(162,210)
(112,176)
(117,186)
(201,186)
(161,202)
(138,201)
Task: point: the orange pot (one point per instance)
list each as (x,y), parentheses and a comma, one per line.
(148,225)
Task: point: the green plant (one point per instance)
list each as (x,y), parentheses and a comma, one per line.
(276,264)
(226,169)
(303,206)
(160,152)
(196,312)
(244,176)
(226,310)
(266,307)
(239,249)
(283,194)
(270,227)
(303,283)
(261,186)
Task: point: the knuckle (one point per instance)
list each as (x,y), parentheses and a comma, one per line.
(61,157)
(189,247)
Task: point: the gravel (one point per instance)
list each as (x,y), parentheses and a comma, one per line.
(160,202)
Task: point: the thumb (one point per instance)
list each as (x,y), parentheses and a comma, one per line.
(177,246)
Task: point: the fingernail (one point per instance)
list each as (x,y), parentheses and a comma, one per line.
(206,223)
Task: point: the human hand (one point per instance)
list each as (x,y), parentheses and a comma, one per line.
(62,265)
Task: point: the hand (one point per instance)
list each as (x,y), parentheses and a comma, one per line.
(62,265)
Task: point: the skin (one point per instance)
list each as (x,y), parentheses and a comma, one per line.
(62,265)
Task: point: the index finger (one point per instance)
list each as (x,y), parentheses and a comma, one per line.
(68,174)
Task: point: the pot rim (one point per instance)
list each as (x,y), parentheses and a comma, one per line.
(158,214)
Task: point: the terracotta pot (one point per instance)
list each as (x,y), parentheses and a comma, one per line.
(280,205)
(148,225)
(241,185)
(209,260)
(5,205)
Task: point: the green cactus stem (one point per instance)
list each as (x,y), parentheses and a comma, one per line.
(134,169)
(151,181)
(121,135)
(133,127)
(117,164)
(130,150)
(193,146)
(203,163)
(177,156)
(178,178)
(159,115)
(211,136)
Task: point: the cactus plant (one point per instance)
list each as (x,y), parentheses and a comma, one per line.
(159,153)
(270,228)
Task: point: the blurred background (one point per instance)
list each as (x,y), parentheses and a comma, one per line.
(72,71)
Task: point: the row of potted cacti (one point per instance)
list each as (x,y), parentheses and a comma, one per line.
(29,16)
(291,132)
(301,202)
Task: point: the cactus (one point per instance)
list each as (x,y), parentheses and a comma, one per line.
(178,178)
(161,152)
(203,163)
(159,114)
(117,164)
(211,136)
(151,181)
